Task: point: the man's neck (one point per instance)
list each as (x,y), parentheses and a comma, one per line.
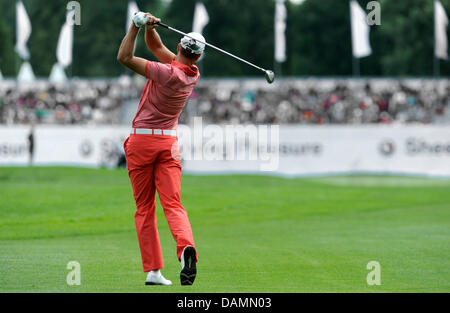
(183,60)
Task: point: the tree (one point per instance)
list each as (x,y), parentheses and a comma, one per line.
(96,40)
(318,36)
(319,41)
(408,30)
(46,22)
(244,28)
(7,61)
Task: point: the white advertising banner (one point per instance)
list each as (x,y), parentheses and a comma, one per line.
(280,150)
(67,146)
(408,150)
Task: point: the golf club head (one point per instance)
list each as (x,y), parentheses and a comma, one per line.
(270,76)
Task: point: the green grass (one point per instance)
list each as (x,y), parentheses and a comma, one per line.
(253,233)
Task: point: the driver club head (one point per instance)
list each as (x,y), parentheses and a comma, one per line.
(270,76)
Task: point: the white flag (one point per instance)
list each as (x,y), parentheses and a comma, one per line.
(280,29)
(360,31)
(23,29)
(65,42)
(440,31)
(201,18)
(132,10)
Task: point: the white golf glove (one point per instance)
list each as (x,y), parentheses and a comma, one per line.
(140,19)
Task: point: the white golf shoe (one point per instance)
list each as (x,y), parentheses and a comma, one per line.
(156,278)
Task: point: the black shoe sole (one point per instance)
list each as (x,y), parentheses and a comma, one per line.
(189,271)
(148,283)
(153,284)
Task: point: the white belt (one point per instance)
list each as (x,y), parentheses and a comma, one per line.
(162,132)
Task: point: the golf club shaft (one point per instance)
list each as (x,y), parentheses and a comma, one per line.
(211,46)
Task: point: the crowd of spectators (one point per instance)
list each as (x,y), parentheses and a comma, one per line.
(228,101)
(77,102)
(325,101)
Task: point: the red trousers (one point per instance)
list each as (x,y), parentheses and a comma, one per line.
(153,165)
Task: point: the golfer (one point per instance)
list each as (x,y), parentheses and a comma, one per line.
(152,151)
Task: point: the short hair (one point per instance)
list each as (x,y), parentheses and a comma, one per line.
(188,53)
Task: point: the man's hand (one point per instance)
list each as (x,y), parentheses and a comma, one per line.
(151,21)
(140,19)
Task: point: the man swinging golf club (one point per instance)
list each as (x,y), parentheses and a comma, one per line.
(152,151)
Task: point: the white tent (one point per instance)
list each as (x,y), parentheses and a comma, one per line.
(57,75)
(26,74)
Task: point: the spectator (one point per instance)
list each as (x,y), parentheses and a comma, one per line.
(293,101)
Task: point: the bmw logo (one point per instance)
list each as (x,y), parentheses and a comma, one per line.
(86,148)
(387,148)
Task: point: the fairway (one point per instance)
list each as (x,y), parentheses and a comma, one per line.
(253,233)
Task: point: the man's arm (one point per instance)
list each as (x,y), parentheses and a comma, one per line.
(155,44)
(126,52)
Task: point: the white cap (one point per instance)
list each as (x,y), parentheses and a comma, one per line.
(193,42)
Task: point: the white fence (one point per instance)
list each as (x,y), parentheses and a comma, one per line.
(301,150)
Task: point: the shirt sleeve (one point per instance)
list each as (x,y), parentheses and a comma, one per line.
(158,72)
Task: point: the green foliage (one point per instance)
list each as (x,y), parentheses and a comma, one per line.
(96,40)
(43,42)
(318,36)
(244,28)
(408,28)
(7,62)
(7,26)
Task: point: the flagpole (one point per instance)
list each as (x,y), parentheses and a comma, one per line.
(18,59)
(201,67)
(277,68)
(356,67)
(437,67)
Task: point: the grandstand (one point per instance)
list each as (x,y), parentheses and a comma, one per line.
(235,101)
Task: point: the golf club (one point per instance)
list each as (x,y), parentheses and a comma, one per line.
(270,75)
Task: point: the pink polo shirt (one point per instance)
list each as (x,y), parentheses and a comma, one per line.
(165,94)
